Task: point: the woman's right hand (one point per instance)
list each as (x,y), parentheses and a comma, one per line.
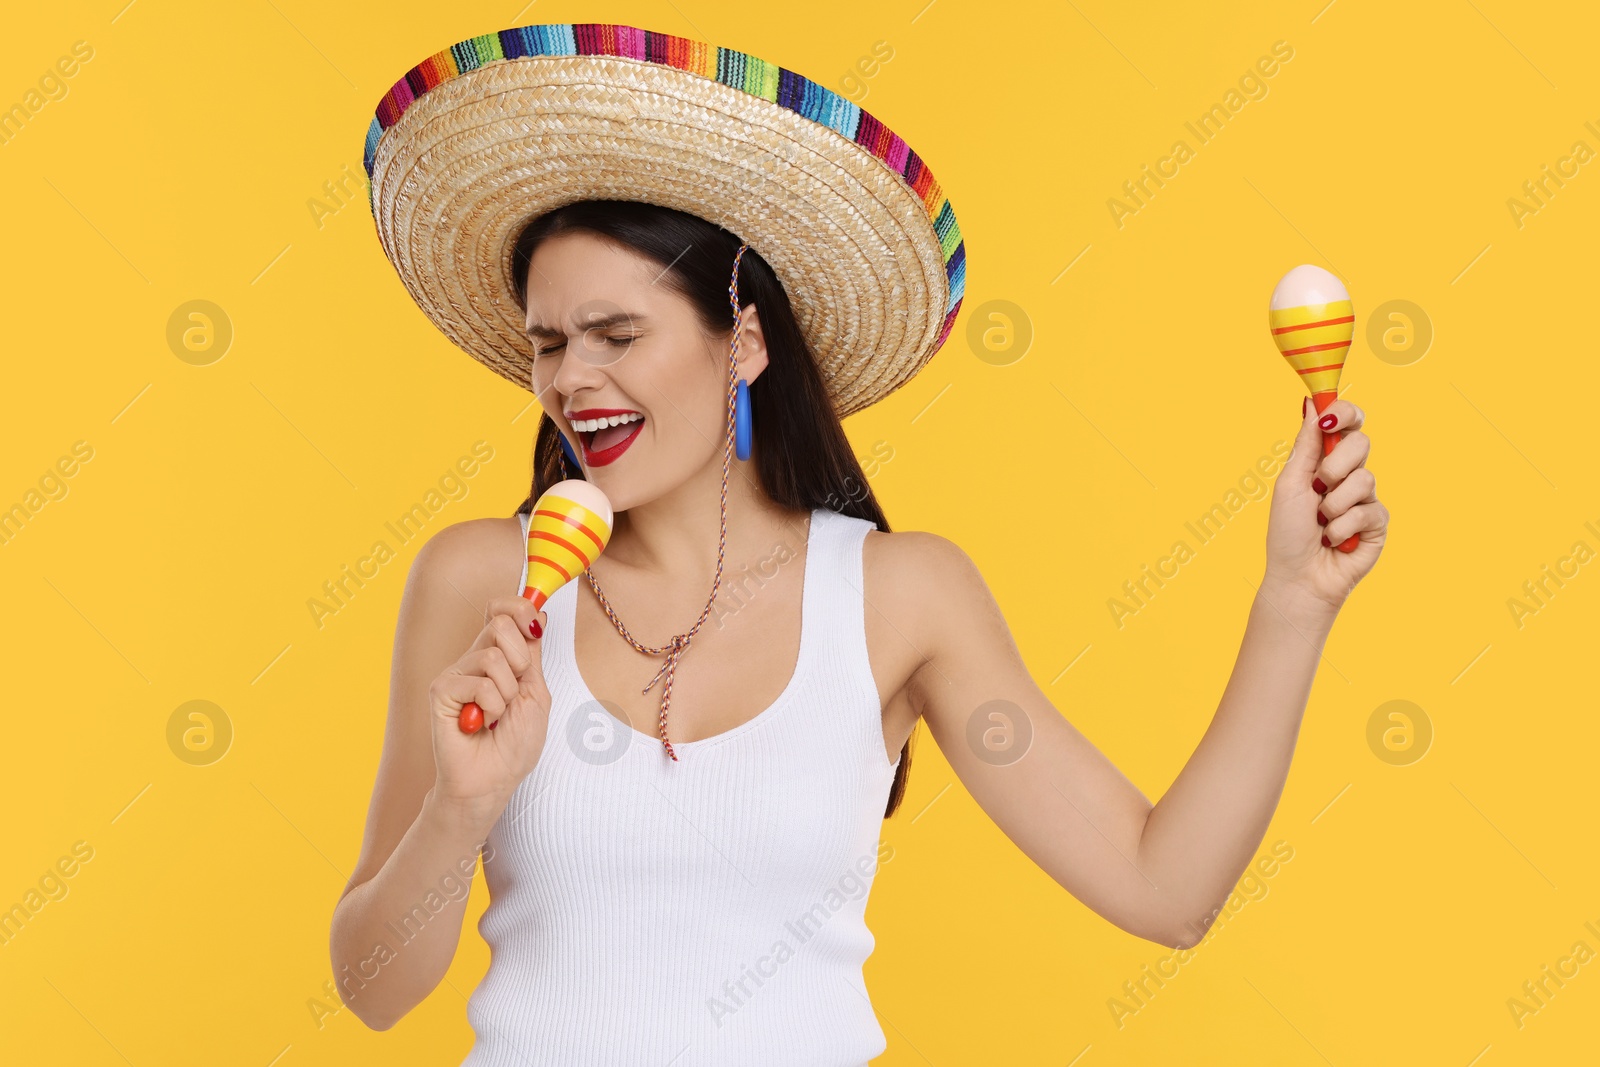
(476,773)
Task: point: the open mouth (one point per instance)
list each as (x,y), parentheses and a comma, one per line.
(607,438)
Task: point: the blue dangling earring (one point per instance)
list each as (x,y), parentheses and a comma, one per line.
(742,420)
(566,450)
(742,417)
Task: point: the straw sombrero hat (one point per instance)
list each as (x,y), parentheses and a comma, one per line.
(477,139)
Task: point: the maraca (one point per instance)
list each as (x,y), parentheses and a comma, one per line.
(1312,322)
(569,528)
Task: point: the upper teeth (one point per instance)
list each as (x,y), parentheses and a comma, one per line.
(586,425)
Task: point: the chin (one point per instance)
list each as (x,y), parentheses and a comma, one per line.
(650,468)
(632,482)
(622,489)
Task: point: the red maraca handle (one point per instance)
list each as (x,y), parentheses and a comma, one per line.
(471,720)
(1329,440)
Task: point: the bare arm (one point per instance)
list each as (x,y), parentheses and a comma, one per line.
(1201,835)
(381,974)
(1160,872)
(396,927)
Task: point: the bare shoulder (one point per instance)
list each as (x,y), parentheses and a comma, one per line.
(918,583)
(916,568)
(473,559)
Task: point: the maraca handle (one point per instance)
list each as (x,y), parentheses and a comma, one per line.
(471,719)
(1329,441)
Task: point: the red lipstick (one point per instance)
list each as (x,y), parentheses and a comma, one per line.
(597,413)
(610,454)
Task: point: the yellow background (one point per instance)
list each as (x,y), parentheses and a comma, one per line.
(178,566)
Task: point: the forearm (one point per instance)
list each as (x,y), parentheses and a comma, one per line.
(1204,831)
(390,947)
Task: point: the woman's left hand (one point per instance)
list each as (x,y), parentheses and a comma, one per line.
(1318,502)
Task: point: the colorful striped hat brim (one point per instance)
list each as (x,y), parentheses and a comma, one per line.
(477,139)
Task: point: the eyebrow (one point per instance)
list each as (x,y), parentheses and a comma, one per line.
(601,322)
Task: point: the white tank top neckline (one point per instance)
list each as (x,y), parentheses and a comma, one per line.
(569,653)
(708,912)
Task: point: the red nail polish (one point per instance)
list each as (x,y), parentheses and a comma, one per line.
(1321,520)
(1327,422)
(535,629)
(1325,542)
(1316,483)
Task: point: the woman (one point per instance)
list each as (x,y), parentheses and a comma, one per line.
(679,852)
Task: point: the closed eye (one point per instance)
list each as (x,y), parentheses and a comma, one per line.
(615,342)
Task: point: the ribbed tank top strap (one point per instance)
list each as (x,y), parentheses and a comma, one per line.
(847,688)
(552,657)
(522,519)
(836,542)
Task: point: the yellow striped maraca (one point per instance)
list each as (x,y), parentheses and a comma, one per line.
(569,528)
(1312,322)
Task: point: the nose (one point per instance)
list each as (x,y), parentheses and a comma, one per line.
(572,375)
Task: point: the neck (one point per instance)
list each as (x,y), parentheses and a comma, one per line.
(675,535)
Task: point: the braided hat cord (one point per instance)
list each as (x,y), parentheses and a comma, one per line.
(675,648)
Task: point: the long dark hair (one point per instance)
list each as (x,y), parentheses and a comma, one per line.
(801,456)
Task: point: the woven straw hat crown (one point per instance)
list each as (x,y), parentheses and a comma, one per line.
(479,138)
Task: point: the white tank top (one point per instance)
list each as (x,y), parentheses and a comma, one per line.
(703,913)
